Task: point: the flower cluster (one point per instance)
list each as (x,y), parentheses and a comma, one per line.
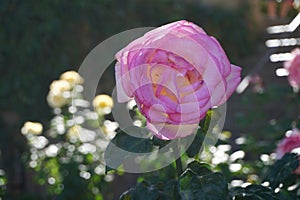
(60,90)
(77,136)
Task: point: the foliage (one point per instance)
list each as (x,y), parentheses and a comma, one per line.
(218,172)
(253,192)
(282,170)
(194,183)
(40,38)
(3,182)
(198,181)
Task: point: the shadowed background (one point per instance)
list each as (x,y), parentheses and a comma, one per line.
(41,39)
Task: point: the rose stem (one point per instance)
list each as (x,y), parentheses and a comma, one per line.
(178,159)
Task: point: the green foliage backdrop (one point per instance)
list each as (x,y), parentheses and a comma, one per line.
(41,39)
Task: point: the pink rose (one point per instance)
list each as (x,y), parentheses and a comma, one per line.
(288,144)
(293,67)
(175,73)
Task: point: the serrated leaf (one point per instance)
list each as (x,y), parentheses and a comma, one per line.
(212,186)
(252,192)
(282,169)
(146,191)
(199,168)
(122,145)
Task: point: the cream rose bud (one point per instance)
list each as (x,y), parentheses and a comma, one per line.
(34,128)
(103,104)
(175,73)
(293,67)
(56,100)
(60,86)
(59,93)
(72,77)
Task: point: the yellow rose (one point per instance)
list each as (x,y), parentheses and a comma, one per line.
(60,86)
(34,128)
(103,104)
(72,77)
(56,100)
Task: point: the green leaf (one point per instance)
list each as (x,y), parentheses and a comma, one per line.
(122,145)
(252,192)
(199,168)
(194,148)
(212,186)
(146,191)
(288,195)
(282,169)
(159,142)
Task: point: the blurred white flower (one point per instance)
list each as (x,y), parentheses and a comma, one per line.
(100,170)
(236,183)
(240,140)
(219,157)
(51,180)
(109,128)
(224,147)
(265,158)
(138,123)
(73,132)
(85,175)
(235,167)
(87,135)
(52,150)
(38,142)
(109,177)
(87,148)
(131,104)
(237,155)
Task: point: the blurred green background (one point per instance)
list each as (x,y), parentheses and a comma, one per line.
(41,39)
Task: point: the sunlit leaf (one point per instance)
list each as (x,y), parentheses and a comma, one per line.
(146,191)
(199,168)
(211,186)
(123,144)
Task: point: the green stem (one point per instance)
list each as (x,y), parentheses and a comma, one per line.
(178,160)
